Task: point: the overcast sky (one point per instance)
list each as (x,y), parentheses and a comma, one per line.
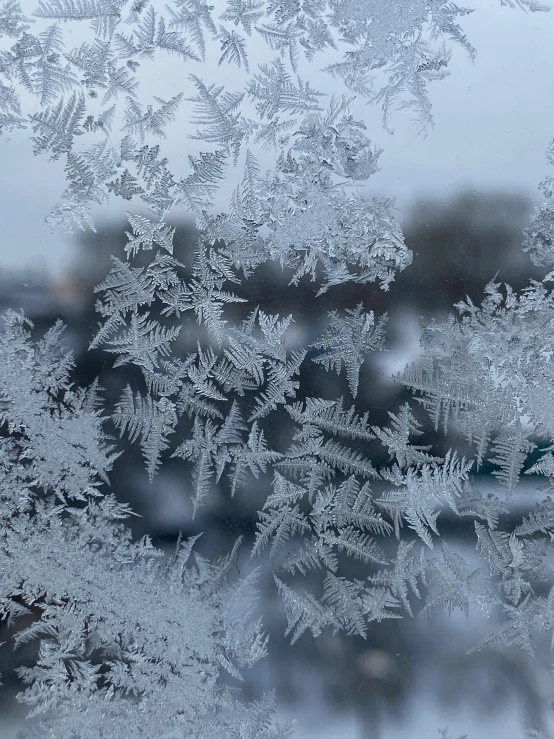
(494,119)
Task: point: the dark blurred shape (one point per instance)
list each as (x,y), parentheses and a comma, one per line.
(458,245)
(461,244)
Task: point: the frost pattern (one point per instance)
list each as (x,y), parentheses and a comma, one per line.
(106,640)
(119,623)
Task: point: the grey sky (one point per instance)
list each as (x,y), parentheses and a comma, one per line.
(494,120)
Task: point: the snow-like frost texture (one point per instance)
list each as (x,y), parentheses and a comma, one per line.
(131,642)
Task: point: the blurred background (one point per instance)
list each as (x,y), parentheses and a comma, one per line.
(406,678)
(463,193)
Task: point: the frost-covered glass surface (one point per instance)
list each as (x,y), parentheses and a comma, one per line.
(224,368)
